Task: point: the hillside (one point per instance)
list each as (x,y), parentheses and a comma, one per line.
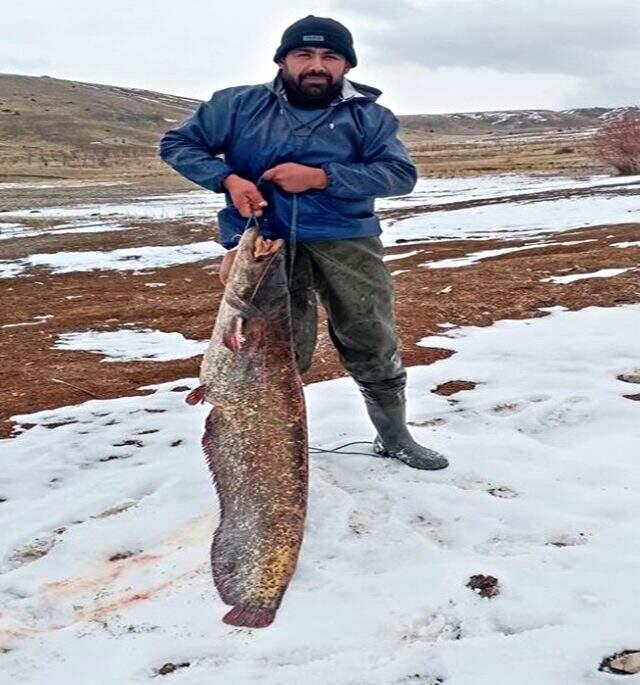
(524,120)
(54,127)
(67,129)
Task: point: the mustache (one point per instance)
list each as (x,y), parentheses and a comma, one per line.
(315,74)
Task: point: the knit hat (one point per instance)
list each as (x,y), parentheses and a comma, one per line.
(318,32)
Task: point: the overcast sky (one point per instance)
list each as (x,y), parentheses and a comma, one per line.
(425,55)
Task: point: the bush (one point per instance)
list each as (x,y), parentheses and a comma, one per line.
(617,143)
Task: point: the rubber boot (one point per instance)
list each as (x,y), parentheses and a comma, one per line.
(386,406)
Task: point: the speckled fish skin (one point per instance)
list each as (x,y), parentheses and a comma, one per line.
(255,439)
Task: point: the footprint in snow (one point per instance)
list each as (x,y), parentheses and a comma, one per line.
(474,483)
(52,425)
(428,423)
(432,528)
(505,546)
(571,411)
(516,406)
(128,443)
(622,663)
(116,509)
(632,376)
(32,551)
(433,628)
(570,540)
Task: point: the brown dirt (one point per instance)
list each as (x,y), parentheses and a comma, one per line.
(508,286)
(452,387)
(485,586)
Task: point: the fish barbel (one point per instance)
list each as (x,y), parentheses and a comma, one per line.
(255,438)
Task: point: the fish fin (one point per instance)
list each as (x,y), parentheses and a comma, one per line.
(196,396)
(232,342)
(249,617)
(235,337)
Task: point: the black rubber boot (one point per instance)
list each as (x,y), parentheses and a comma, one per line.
(386,406)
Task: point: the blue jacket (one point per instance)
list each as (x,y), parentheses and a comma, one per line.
(354,140)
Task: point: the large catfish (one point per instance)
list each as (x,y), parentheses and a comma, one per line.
(255,437)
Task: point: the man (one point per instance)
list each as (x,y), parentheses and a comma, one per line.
(307,154)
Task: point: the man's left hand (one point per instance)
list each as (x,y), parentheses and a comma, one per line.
(296,178)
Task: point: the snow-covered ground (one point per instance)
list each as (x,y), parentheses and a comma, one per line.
(505,220)
(475,257)
(124,259)
(107,511)
(601,273)
(132,344)
(442,191)
(508,220)
(197,204)
(515,219)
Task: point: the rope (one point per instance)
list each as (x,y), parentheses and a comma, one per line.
(292,229)
(335,450)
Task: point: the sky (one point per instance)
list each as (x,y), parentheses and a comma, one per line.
(427,56)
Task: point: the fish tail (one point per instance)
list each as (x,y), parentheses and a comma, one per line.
(249,617)
(228,543)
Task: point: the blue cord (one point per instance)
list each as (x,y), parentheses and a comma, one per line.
(292,231)
(292,235)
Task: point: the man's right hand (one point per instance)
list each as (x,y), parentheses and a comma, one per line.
(245,196)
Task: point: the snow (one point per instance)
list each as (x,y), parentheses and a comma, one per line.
(20,231)
(37,321)
(630,243)
(124,259)
(475,257)
(511,220)
(403,255)
(47,185)
(515,219)
(202,204)
(443,191)
(602,273)
(197,205)
(10,268)
(8,231)
(542,494)
(133,344)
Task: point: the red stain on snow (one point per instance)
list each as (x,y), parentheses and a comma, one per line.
(100,580)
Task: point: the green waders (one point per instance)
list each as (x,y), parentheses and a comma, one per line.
(355,288)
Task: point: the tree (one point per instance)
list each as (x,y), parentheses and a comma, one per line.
(617,142)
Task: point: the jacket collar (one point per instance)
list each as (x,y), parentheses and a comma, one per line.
(350,90)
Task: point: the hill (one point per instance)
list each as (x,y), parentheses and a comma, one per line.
(54,127)
(68,129)
(523,120)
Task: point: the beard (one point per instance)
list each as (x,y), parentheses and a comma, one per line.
(309,93)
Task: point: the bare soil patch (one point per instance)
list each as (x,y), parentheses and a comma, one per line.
(507,286)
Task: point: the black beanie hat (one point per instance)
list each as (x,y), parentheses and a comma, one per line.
(318,32)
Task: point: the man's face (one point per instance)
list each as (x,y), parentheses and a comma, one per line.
(314,72)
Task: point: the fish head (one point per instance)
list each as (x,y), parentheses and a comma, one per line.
(253,270)
(256,291)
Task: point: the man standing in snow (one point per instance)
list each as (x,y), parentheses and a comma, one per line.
(307,154)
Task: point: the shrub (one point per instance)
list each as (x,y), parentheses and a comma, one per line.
(617,143)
